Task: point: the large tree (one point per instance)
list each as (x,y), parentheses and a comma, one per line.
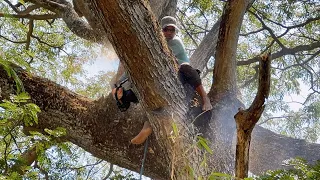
(134,33)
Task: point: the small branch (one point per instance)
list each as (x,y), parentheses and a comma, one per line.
(7,144)
(29,9)
(109,173)
(87,165)
(51,5)
(28,16)
(252,32)
(17,42)
(58,47)
(309,20)
(29,34)
(188,33)
(15,142)
(303,63)
(309,72)
(271,118)
(268,47)
(14,8)
(206,72)
(75,23)
(268,29)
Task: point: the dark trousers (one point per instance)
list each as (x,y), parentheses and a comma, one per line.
(188,74)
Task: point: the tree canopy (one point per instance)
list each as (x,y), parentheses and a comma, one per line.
(53,41)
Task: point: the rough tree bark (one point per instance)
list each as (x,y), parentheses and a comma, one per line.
(99,127)
(247,119)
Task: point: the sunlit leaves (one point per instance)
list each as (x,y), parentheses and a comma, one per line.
(203,143)
(18,109)
(197,18)
(205,5)
(51,50)
(300,170)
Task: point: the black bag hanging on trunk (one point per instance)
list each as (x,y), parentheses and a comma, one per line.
(128,96)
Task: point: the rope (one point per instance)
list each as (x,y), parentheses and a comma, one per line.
(199,115)
(144,157)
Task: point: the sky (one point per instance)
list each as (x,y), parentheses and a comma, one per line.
(102,63)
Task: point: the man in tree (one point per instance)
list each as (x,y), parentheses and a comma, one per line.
(187,74)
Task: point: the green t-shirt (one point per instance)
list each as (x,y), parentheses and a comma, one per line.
(178,50)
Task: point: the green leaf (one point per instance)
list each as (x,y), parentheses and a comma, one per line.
(203,143)
(203,163)
(190,171)
(58,132)
(8,105)
(175,129)
(22,97)
(21,1)
(213,175)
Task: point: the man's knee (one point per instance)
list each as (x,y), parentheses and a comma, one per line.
(189,75)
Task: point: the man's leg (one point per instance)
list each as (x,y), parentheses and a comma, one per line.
(189,75)
(205,99)
(143,135)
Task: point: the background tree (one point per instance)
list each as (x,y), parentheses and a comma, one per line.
(34,37)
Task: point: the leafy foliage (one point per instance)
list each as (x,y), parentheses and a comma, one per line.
(51,51)
(54,157)
(300,170)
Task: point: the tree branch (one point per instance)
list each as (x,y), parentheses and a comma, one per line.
(109,173)
(269,30)
(271,118)
(189,34)
(28,16)
(283,52)
(266,144)
(163,8)
(29,34)
(28,157)
(29,9)
(76,24)
(18,42)
(207,47)
(247,119)
(14,8)
(252,32)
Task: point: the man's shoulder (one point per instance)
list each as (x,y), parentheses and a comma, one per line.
(176,41)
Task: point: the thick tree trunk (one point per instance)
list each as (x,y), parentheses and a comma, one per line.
(224,91)
(163,8)
(153,73)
